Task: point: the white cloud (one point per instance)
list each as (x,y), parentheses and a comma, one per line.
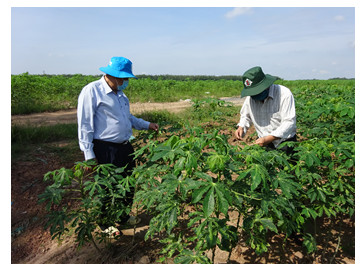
(324,72)
(237,12)
(339,18)
(320,72)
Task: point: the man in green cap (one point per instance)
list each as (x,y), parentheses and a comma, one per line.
(269,107)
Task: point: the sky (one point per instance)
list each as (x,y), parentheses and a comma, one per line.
(289,42)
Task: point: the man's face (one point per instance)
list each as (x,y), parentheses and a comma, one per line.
(114,82)
(119,81)
(261,96)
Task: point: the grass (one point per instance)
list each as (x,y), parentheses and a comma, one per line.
(25,138)
(207,111)
(44,134)
(162,118)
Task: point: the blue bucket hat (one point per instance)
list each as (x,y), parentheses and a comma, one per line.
(119,67)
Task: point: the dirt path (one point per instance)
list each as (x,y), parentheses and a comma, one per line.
(70,116)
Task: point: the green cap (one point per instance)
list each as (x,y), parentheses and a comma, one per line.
(255,81)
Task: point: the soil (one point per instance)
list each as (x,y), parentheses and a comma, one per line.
(32,244)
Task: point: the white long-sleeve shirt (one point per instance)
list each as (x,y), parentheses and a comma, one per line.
(104,115)
(275,116)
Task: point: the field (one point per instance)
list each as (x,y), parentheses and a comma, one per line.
(203,196)
(39,93)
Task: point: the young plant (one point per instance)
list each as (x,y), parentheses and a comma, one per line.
(86,184)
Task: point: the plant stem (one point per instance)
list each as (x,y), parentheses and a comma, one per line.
(336,250)
(228,260)
(213,254)
(94,243)
(237,224)
(244,195)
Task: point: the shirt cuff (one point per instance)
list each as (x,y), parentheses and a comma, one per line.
(146,125)
(89,154)
(244,126)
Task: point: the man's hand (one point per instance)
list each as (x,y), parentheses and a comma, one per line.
(153,126)
(265,140)
(261,141)
(239,133)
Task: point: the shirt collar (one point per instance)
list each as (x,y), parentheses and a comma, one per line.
(106,86)
(271,91)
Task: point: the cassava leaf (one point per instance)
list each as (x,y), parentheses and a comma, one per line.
(268,223)
(255,176)
(223,203)
(209,203)
(197,194)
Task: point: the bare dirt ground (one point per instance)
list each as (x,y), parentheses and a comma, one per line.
(32,244)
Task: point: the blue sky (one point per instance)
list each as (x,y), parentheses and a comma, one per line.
(290,42)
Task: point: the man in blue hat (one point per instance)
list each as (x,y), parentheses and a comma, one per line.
(105,122)
(270,107)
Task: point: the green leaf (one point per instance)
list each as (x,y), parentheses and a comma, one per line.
(256,176)
(264,206)
(203,176)
(223,203)
(248,223)
(184,259)
(288,187)
(61,176)
(229,237)
(92,186)
(211,237)
(321,195)
(52,195)
(309,242)
(209,203)
(172,141)
(179,165)
(191,163)
(197,194)
(268,223)
(159,156)
(309,160)
(172,216)
(242,175)
(216,162)
(313,213)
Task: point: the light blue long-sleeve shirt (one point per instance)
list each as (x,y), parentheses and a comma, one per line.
(104,115)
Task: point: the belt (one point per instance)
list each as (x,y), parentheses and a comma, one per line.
(110,143)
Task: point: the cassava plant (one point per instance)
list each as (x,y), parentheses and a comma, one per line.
(191,185)
(86,184)
(192,182)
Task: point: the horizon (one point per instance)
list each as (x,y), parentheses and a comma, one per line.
(181,75)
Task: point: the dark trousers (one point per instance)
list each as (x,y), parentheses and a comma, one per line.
(120,155)
(289,150)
